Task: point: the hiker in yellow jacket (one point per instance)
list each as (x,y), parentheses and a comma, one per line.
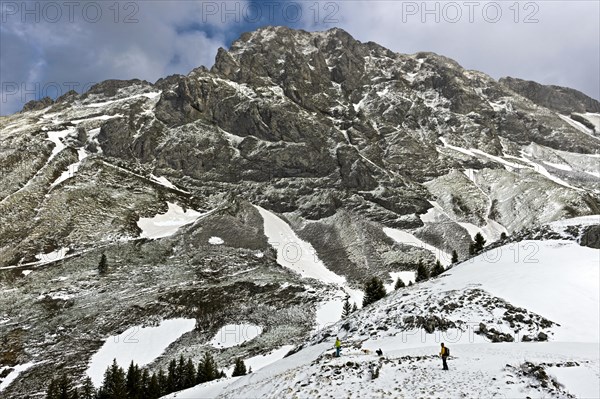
(444,353)
(338,347)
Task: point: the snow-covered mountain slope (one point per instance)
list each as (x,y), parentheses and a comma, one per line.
(367,161)
(516,294)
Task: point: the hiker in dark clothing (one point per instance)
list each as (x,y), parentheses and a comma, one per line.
(444,354)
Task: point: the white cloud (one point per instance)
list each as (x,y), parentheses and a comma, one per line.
(84,52)
(174,37)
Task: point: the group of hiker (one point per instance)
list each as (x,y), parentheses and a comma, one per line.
(444,352)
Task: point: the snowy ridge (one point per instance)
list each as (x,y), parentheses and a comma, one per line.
(537,276)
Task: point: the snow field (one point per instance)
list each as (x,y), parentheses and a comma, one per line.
(300,256)
(138,344)
(235,334)
(166,224)
(293,252)
(539,276)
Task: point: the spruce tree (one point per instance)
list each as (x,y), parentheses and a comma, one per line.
(437,269)
(189,378)
(154,391)
(479,243)
(180,376)
(399,284)
(163,382)
(88,391)
(422,272)
(103,265)
(454,256)
(144,383)
(172,376)
(115,384)
(239,369)
(347,308)
(374,291)
(207,369)
(354,307)
(65,388)
(134,381)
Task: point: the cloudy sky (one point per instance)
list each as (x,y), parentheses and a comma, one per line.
(47,47)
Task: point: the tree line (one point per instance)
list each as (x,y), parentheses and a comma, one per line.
(139,383)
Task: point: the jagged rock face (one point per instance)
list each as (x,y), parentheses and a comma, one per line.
(313,123)
(591,237)
(561,99)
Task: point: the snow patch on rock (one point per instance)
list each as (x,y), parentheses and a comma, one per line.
(138,344)
(232,335)
(167,224)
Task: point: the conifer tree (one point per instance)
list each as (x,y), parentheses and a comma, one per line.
(115,384)
(144,383)
(374,291)
(154,391)
(172,376)
(437,269)
(103,265)
(454,256)
(347,308)
(134,381)
(239,369)
(354,307)
(180,375)
(479,243)
(207,369)
(163,382)
(88,391)
(422,272)
(399,284)
(189,379)
(503,236)
(64,388)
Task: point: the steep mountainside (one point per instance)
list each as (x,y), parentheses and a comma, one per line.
(370,159)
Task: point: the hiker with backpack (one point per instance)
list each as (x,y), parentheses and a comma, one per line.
(444,353)
(338,347)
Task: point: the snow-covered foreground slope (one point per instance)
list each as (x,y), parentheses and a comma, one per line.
(556,279)
(548,287)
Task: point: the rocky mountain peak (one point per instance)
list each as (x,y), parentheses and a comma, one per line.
(369,160)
